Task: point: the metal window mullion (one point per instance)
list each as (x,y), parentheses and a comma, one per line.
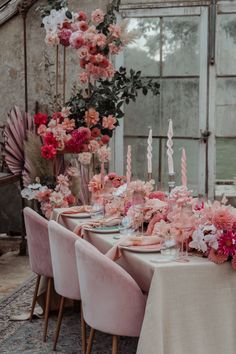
(203,99)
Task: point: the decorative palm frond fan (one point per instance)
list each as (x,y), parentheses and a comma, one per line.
(15,134)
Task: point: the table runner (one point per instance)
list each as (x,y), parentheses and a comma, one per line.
(191,307)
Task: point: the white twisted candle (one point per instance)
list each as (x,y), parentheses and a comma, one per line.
(128,166)
(149,152)
(170,148)
(184,168)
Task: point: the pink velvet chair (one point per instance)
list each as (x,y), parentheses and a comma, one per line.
(111,299)
(39,257)
(62,246)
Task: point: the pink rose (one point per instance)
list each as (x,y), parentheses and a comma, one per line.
(52,39)
(84,78)
(97,16)
(83,26)
(83,53)
(77,40)
(82,16)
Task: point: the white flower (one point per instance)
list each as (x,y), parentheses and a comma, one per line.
(28,194)
(35,186)
(85,158)
(198,241)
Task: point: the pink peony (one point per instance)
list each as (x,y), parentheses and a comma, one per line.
(91,117)
(227,244)
(109,122)
(64,36)
(43,195)
(48,151)
(97,16)
(223,218)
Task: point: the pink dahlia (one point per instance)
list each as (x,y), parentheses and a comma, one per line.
(40,118)
(215,257)
(223,218)
(49,139)
(227,243)
(48,151)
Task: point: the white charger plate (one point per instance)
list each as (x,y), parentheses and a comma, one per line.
(104,229)
(142,249)
(78,215)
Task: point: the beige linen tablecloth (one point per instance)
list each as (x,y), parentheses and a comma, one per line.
(191,307)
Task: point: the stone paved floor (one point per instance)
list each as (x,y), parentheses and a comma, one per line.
(14,270)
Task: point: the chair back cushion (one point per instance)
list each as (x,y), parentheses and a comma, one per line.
(38,243)
(112,301)
(62,245)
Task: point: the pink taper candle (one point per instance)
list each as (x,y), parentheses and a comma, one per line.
(184,168)
(149,152)
(170,148)
(128,166)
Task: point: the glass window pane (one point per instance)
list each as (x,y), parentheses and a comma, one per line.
(181,46)
(192,152)
(179,101)
(144,53)
(225,107)
(141,114)
(139,157)
(226,44)
(225,159)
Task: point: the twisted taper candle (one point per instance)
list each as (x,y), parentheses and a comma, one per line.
(170,148)
(149,152)
(128,166)
(184,168)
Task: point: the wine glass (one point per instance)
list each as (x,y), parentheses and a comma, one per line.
(97,211)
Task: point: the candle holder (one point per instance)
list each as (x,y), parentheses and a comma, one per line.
(171,181)
(149,176)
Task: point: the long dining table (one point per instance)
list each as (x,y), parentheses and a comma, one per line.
(191,307)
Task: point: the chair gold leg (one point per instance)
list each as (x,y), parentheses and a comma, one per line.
(35,297)
(90,341)
(59,319)
(49,286)
(83,330)
(114,344)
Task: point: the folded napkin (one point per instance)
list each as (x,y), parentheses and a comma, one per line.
(73,211)
(143,242)
(91,223)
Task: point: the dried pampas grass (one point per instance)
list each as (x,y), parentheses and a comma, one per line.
(37,165)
